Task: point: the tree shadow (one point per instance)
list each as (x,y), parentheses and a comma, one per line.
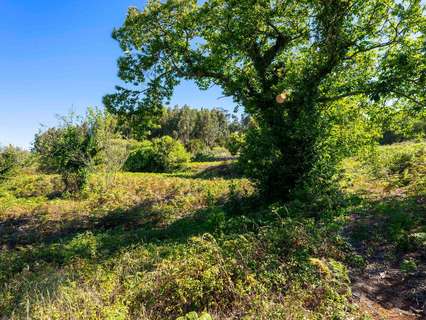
(225,171)
(30,240)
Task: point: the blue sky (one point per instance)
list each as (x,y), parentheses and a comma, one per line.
(58,56)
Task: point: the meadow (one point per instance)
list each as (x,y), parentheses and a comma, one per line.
(197,245)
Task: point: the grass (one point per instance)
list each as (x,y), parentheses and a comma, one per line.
(160,246)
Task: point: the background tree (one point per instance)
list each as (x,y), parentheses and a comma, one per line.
(185,124)
(311,52)
(177,122)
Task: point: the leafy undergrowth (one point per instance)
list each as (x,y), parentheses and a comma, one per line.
(163,246)
(158,246)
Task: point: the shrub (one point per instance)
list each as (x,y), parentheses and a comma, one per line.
(69,151)
(169,154)
(220,153)
(161,155)
(235,142)
(44,145)
(113,149)
(9,161)
(199,150)
(194,316)
(140,158)
(408,266)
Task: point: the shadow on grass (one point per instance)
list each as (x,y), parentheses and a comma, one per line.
(225,170)
(28,241)
(26,244)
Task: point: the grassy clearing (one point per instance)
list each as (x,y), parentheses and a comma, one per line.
(158,246)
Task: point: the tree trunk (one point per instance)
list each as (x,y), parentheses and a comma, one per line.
(293,130)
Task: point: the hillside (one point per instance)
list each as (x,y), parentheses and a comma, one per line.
(159,246)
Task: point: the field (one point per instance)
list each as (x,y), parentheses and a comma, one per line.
(162,246)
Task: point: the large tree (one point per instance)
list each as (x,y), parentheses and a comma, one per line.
(312,52)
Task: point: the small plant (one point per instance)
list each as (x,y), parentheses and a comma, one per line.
(194,316)
(408,266)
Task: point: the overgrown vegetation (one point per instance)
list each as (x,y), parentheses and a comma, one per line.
(68,150)
(293,211)
(162,246)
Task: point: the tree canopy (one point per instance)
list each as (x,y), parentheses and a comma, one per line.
(311,52)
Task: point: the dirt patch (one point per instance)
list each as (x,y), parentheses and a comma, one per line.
(381,288)
(385,292)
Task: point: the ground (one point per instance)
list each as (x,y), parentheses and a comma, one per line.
(387,231)
(158,246)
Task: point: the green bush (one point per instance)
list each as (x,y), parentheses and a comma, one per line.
(408,266)
(141,158)
(69,151)
(199,150)
(235,142)
(9,161)
(44,145)
(194,316)
(161,155)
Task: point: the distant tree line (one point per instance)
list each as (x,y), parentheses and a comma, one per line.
(212,127)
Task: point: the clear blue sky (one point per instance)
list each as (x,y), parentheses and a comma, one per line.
(57,56)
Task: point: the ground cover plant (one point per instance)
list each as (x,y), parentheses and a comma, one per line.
(163,246)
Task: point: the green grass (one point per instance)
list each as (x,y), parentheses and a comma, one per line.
(159,246)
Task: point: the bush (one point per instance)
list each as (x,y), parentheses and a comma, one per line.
(44,145)
(169,155)
(235,142)
(141,158)
(9,161)
(69,151)
(113,150)
(161,155)
(199,150)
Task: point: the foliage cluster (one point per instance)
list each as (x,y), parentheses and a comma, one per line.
(159,155)
(398,124)
(79,144)
(11,159)
(402,165)
(68,150)
(235,142)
